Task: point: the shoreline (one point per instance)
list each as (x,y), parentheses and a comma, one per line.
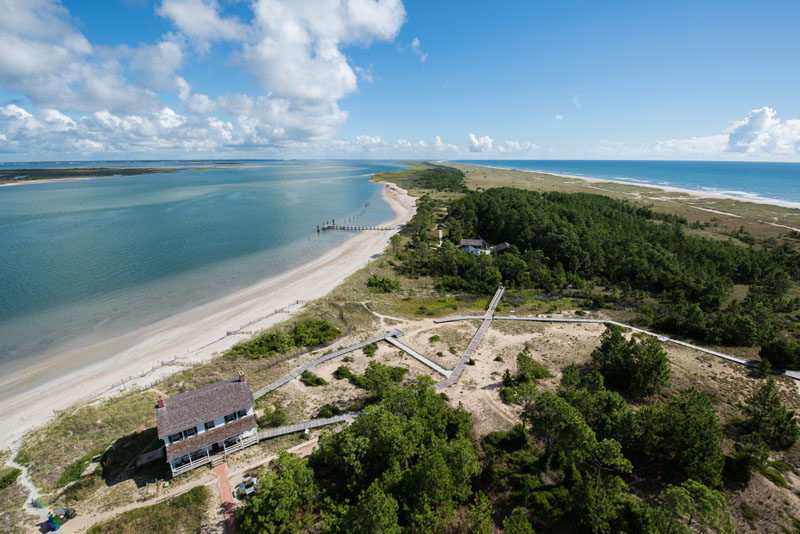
(196,334)
(666,188)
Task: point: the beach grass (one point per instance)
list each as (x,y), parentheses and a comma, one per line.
(182,514)
(12,498)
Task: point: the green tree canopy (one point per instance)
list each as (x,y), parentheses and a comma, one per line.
(767,416)
(638,367)
(693,507)
(284,500)
(685,430)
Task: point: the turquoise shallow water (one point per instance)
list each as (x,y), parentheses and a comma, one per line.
(747,180)
(95,258)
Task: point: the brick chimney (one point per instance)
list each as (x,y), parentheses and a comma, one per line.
(160,403)
(241,376)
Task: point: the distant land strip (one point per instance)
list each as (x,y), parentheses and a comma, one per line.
(25,175)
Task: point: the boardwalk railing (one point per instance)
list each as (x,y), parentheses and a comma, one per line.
(305,425)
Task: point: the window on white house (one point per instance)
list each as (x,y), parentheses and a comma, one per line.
(210,425)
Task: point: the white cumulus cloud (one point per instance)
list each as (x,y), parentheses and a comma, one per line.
(761,132)
(480,144)
(201,20)
(80,97)
(517,148)
(760,135)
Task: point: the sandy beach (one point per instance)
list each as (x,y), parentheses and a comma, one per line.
(192,336)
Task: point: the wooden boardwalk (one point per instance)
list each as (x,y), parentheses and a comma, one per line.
(791,374)
(324,358)
(476,340)
(305,425)
(418,356)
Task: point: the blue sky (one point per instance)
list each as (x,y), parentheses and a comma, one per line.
(393,79)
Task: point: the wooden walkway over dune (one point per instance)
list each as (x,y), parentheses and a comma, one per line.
(419,357)
(324,358)
(791,374)
(476,340)
(305,425)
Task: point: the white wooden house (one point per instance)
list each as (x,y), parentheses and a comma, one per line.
(198,424)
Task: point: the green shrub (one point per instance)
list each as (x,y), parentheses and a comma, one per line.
(267,344)
(441,179)
(343,372)
(382,284)
(74,470)
(378,377)
(329,410)
(775,477)
(8,476)
(433,339)
(638,367)
(310,379)
(274,417)
(313,332)
(371,349)
(782,467)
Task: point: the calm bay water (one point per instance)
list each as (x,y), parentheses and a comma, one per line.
(99,257)
(744,180)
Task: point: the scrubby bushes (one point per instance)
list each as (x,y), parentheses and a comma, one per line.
(637,367)
(274,416)
(314,332)
(377,377)
(310,332)
(8,475)
(310,379)
(781,353)
(371,349)
(382,284)
(519,386)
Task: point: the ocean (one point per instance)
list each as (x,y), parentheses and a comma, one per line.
(95,258)
(756,181)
